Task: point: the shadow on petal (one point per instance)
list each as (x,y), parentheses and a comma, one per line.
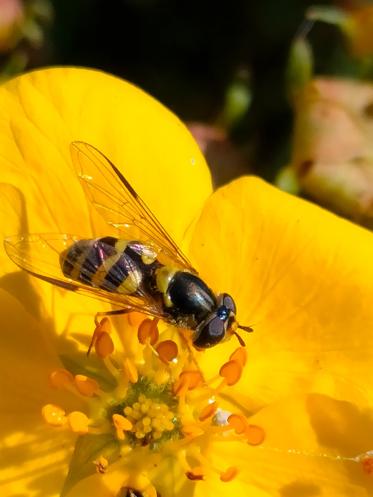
(300,488)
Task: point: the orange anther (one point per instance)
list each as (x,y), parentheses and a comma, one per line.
(188,380)
(194,378)
(121,423)
(238,422)
(255,435)
(229,474)
(53,415)
(61,378)
(196,473)
(231,372)
(208,411)
(104,345)
(367,464)
(239,355)
(148,331)
(78,422)
(167,350)
(105,325)
(86,386)
(130,370)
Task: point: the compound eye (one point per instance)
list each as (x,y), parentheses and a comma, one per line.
(210,333)
(229,303)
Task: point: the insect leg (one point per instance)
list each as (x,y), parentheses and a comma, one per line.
(110,313)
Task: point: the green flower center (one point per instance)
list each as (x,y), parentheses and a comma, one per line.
(152,411)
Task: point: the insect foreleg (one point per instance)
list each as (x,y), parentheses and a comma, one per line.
(109,313)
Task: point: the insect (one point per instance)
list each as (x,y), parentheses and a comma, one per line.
(142,269)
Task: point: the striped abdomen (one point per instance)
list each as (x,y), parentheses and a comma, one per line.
(118,266)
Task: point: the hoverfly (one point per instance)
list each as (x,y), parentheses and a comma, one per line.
(142,270)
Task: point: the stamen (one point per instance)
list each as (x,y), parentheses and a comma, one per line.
(148,331)
(105,325)
(78,422)
(231,372)
(54,415)
(367,464)
(104,345)
(121,425)
(239,355)
(238,422)
(255,434)
(167,350)
(61,379)
(86,386)
(192,378)
(208,411)
(101,464)
(229,474)
(130,370)
(195,474)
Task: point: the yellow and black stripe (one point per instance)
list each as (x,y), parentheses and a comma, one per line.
(118,266)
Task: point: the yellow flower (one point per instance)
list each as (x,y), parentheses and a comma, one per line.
(300,276)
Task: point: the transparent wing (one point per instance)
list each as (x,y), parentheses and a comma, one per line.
(118,203)
(39,255)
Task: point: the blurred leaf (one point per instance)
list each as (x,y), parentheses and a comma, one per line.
(88,448)
(300,66)
(329,14)
(237,102)
(287,180)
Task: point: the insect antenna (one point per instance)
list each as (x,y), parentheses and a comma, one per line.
(245,328)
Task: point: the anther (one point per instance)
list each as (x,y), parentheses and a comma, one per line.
(195,474)
(148,331)
(367,464)
(121,425)
(238,422)
(101,464)
(54,415)
(61,379)
(229,474)
(254,434)
(192,378)
(86,386)
(239,355)
(104,345)
(231,372)
(78,422)
(167,350)
(103,326)
(208,411)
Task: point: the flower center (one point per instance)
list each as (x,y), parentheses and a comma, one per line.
(158,406)
(150,413)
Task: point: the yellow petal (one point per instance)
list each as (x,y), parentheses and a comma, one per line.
(303,279)
(34,456)
(314,447)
